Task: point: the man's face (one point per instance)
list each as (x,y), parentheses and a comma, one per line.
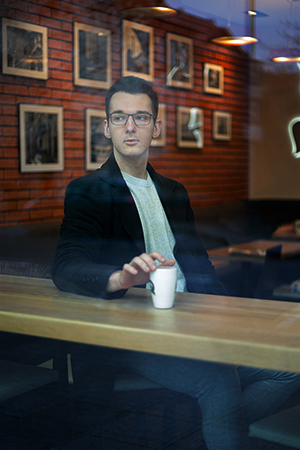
(131,141)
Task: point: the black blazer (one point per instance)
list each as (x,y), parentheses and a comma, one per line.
(101,231)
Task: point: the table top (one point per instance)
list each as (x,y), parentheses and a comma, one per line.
(258,333)
(255,251)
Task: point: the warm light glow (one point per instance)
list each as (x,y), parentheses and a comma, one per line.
(235,40)
(149,11)
(286,55)
(252,13)
(286,59)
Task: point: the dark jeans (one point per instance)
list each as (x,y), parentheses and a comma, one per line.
(230,397)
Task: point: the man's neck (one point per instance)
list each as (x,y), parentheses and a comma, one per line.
(133,167)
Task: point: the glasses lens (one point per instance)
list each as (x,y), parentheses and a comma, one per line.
(118,119)
(142,119)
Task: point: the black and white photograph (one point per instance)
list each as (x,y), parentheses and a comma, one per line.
(190,127)
(221,126)
(180,61)
(213,79)
(24,49)
(138,50)
(41,138)
(97,146)
(161,140)
(92,56)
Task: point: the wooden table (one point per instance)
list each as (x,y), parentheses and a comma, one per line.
(255,251)
(215,328)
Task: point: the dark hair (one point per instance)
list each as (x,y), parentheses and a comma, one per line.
(132,85)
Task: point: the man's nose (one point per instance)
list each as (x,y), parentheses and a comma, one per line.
(130,125)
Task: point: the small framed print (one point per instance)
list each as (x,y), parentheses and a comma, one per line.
(221,126)
(97,146)
(138,50)
(92,56)
(41,138)
(213,79)
(24,49)
(180,61)
(161,141)
(189,127)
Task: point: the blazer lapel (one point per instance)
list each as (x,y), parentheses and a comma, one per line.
(124,202)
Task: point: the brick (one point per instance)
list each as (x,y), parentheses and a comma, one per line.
(39,92)
(61,75)
(61,35)
(8,206)
(16,195)
(9,163)
(26,17)
(28,184)
(15,89)
(61,55)
(8,142)
(9,120)
(16,216)
(38,9)
(50,23)
(40,214)
(63,95)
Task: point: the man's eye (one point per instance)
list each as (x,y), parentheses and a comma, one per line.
(141,117)
(118,118)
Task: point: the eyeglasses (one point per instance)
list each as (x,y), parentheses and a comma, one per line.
(140,119)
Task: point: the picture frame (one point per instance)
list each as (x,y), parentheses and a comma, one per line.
(41,138)
(161,140)
(213,79)
(190,127)
(97,146)
(24,49)
(221,126)
(138,50)
(92,56)
(180,61)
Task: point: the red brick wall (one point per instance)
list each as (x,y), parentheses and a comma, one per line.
(214,175)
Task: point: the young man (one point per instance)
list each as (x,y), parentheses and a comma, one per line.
(123,220)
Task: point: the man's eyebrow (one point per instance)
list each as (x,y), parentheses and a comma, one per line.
(120,111)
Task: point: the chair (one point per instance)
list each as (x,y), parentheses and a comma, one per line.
(16,377)
(282,428)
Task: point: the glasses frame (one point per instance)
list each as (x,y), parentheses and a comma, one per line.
(132,115)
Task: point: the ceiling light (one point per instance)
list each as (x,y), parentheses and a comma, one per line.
(235,40)
(147,8)
(284,55)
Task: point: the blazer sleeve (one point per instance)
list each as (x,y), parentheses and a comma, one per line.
(81,264)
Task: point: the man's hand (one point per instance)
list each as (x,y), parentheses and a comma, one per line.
(137,272)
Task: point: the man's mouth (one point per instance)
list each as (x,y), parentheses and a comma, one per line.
(131,141)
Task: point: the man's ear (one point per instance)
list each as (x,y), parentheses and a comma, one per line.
(157,128)
(106,129)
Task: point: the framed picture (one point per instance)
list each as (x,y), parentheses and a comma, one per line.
(190,127)
(213,79)
(221,126)
(138,50)
(41,138)
(180,61)
(161,141)
(97,147)
(92,56)
(24,49)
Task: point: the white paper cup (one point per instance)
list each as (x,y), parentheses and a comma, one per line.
(163,288)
